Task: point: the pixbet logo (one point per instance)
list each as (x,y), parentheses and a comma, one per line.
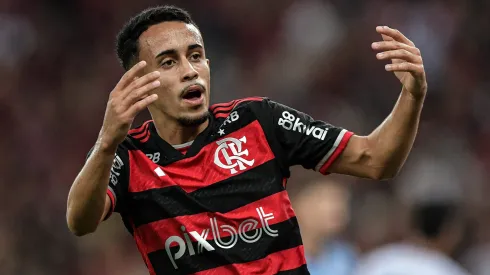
(290,122)
(235,159)
(248,231)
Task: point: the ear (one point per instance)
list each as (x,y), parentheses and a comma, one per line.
(207,60)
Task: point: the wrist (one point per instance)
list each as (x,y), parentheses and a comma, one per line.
(418,96)
(105,147)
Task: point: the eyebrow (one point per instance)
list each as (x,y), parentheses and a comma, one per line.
(173,51)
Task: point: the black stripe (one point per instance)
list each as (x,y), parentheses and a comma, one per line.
(243,121)
(232,193)
(242,252)
(302,270)
(222,105)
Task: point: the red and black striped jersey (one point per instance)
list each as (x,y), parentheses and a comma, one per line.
(221,206)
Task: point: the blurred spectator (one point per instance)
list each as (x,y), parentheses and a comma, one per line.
(436,231)
(477,256)
(322,207)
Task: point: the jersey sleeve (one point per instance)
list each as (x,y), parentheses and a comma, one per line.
(314,144)
(118,180)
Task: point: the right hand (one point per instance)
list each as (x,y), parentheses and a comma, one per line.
(129,97)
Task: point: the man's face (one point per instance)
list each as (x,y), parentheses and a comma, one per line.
(176,49)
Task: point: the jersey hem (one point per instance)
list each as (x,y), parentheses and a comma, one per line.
(334,152)
(111,195)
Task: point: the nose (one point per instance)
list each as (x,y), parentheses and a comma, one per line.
(188,72)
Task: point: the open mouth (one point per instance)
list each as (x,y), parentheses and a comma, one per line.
(193,94)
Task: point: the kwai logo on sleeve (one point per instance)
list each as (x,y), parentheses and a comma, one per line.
(292,123)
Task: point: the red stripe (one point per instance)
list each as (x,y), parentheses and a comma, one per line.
(143,134)
(139,129)
(142,249)
(273,263)
(222,105)
(147,137)
(225,108)
(190,174)
(336,153)
(235,103)
(154,235)
(222,115)
(113,204)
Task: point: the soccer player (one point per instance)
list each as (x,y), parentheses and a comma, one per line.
(202,188)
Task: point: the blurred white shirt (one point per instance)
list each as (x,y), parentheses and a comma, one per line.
(407,259)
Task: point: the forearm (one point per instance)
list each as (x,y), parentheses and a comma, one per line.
(391,143)
(86,199)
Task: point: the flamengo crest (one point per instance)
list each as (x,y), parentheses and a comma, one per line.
(232,157)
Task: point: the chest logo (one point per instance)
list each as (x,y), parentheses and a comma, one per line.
(231,151)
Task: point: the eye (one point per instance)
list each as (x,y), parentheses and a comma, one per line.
(196,56)
(168,63)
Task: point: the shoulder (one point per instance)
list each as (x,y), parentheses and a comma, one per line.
(136,136)
(140,132)
(223,110)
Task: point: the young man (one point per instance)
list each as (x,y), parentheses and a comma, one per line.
(202,190)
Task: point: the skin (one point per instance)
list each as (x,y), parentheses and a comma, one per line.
(157,82)
(183,64)
(381,154)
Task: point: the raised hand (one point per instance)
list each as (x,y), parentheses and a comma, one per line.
(129,97)
(407,63)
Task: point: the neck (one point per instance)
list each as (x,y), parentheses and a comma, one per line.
(174,133)
(431,244)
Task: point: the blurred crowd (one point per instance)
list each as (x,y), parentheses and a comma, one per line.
(57,67)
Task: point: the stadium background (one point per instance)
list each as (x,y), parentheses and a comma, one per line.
(57,66)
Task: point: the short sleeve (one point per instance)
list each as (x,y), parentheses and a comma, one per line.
(314,144)
(118,180)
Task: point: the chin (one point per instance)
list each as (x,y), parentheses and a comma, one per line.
(194,119)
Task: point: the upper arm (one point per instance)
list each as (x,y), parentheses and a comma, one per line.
(356,160)
(314,144)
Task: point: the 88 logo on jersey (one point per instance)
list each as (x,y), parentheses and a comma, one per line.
(291,122)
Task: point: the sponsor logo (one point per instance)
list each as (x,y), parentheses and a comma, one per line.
(155,157)
(249,231)
(117,164)
(231,151)
(231,118)
(291,122)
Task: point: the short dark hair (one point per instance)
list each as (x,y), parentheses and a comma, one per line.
(431,219)
(127,45)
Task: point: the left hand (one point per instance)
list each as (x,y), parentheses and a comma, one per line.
(406,60)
